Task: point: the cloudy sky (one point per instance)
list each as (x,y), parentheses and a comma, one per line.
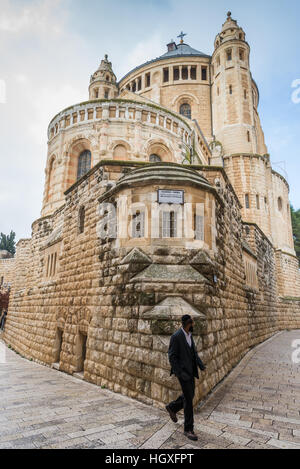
(49,49)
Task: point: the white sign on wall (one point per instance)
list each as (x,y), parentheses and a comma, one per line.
(170,197)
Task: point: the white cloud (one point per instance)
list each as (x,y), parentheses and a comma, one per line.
(142,52)
(38,16)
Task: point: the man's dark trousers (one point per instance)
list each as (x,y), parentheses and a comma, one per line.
(185,401)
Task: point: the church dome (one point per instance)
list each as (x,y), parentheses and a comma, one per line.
(174,51)
(181,50)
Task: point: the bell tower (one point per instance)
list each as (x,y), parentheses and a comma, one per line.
(235,95)
(103,83)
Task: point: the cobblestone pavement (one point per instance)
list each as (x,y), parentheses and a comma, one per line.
(257,406)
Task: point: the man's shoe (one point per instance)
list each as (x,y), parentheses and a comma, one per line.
(172,414)
(191,436)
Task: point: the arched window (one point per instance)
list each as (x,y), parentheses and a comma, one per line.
(279,204)
(154,158)
(84,163)
(185,110)
(120,153)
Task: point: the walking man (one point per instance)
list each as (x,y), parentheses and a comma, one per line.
(184,361)
(2,321)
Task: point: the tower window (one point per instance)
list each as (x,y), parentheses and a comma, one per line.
(166,75)
(257,202)
(176,73)
(242,54)
(134,87)
(106,94)
(204,73)
(139,84)
(248,136)
(107,78)
(218,91)
(185,110)
(245,94)
(194,73)
(218,61)
(279,204)
(148,80)
(185,73)
(96,94)
(247,201)
(230,89)
(229,54)
(84,163)
(81,220)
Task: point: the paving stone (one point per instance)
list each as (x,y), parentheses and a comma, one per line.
(68,413)
(283,444)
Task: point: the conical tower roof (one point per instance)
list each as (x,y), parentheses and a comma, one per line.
(104,70)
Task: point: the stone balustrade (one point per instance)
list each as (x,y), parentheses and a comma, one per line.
(118,110)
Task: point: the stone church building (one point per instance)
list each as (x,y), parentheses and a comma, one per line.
(160,200)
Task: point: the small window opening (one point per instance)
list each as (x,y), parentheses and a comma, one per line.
(148,80)
(155,158)
(169,225)
(176,73)
(204,73)
(81,220)
(166,75)
(185,73)
(199,227)
(185,110)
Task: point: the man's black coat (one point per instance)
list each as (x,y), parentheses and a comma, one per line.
(184,359)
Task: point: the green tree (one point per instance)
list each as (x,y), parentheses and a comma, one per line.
(296,230)
(8,242)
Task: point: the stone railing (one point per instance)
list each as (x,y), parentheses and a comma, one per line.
(120,110)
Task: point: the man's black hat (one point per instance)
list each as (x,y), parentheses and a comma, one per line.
(185,319)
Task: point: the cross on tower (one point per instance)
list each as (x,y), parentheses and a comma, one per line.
(181,35)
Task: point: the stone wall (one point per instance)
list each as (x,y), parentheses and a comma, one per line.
(7,267)
(125,302)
